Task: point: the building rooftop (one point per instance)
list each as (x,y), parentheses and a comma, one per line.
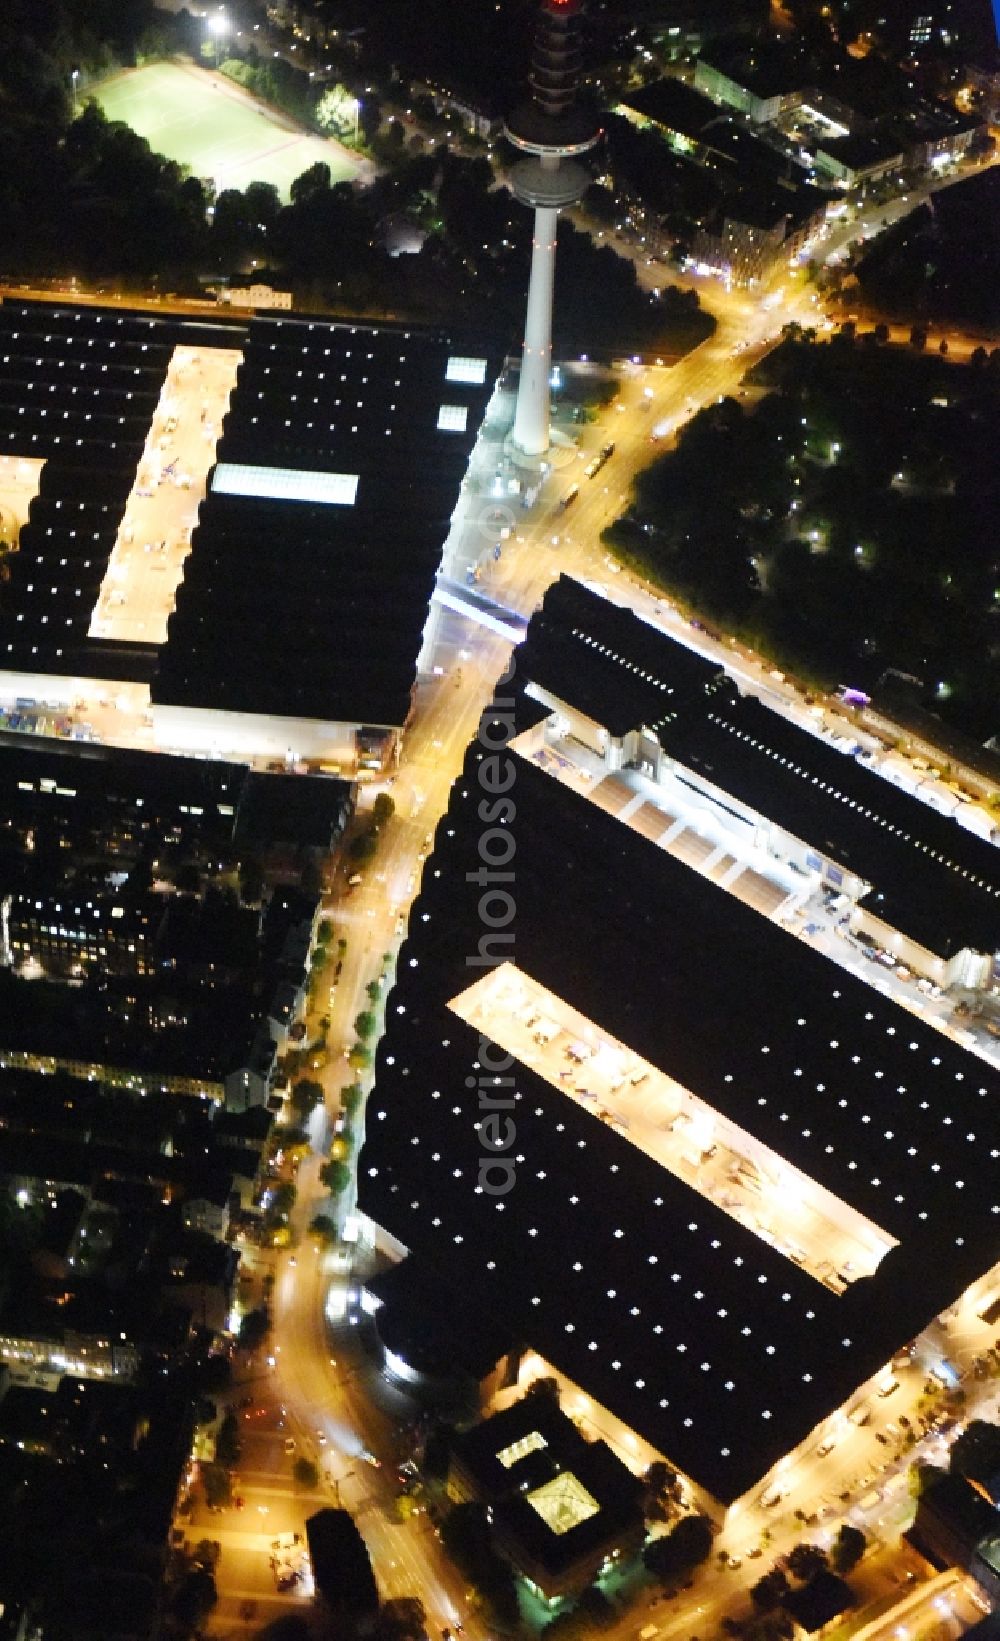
(338,469)
(861,149)
(675,105)
(307,573)
(556,1494)
(930,878)
(771,69)
(277,809)
(695,1323)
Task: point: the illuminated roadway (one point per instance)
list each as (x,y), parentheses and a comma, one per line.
(321,1374)
(340,1395)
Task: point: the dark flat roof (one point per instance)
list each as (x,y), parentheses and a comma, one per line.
(333,599)
(695,1331)
(676,105)
(285,607)
(930,877)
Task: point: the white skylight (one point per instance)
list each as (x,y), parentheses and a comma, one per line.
(462,368)
(453,418)
(285,484)
(563,1502)
(531,1443)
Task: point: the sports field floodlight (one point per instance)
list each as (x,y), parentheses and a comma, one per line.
(218,27)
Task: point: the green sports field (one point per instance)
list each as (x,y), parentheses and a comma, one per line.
(211,126)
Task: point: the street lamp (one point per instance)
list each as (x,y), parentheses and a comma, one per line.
(218,25)
(74,76)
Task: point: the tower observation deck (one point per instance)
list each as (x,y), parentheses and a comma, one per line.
(551,130)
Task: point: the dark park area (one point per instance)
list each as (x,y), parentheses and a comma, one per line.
(843,524)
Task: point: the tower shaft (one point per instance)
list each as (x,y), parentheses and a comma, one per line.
(552,130)
(531,417)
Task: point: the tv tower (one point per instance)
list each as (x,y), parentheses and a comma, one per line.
(552,130)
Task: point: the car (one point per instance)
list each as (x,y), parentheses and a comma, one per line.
(290,1444)
(239,1502)
(286,1580)
(354,879)
(321,1437)
(369,1458)
(292,1260)
(826,1446)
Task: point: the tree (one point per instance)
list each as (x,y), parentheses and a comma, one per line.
(217,1485)
(881,334)
(595,1606)
(918,338)
(847,1549)
(921,1477)
(306,1095)
(359,1058)
(323,1227)
(383,809)
(314,180)
(336,1176)
(687,1546)
(543,1389)
(806,1560)
(770,1591)
(324,934)
(943,345)
(662,1486)
(978,358)
(363,847)
(364,1023)
(976,1452)
(369,117)
(227,1442)
(282,1201)
(373,990)
(207,1553)
(352,1098)
(305,1474)
(194,1598)
(263,205)
(402,1618)
(215,1375)
(253,1329)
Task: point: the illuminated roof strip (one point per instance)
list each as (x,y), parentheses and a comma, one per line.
(285,484)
